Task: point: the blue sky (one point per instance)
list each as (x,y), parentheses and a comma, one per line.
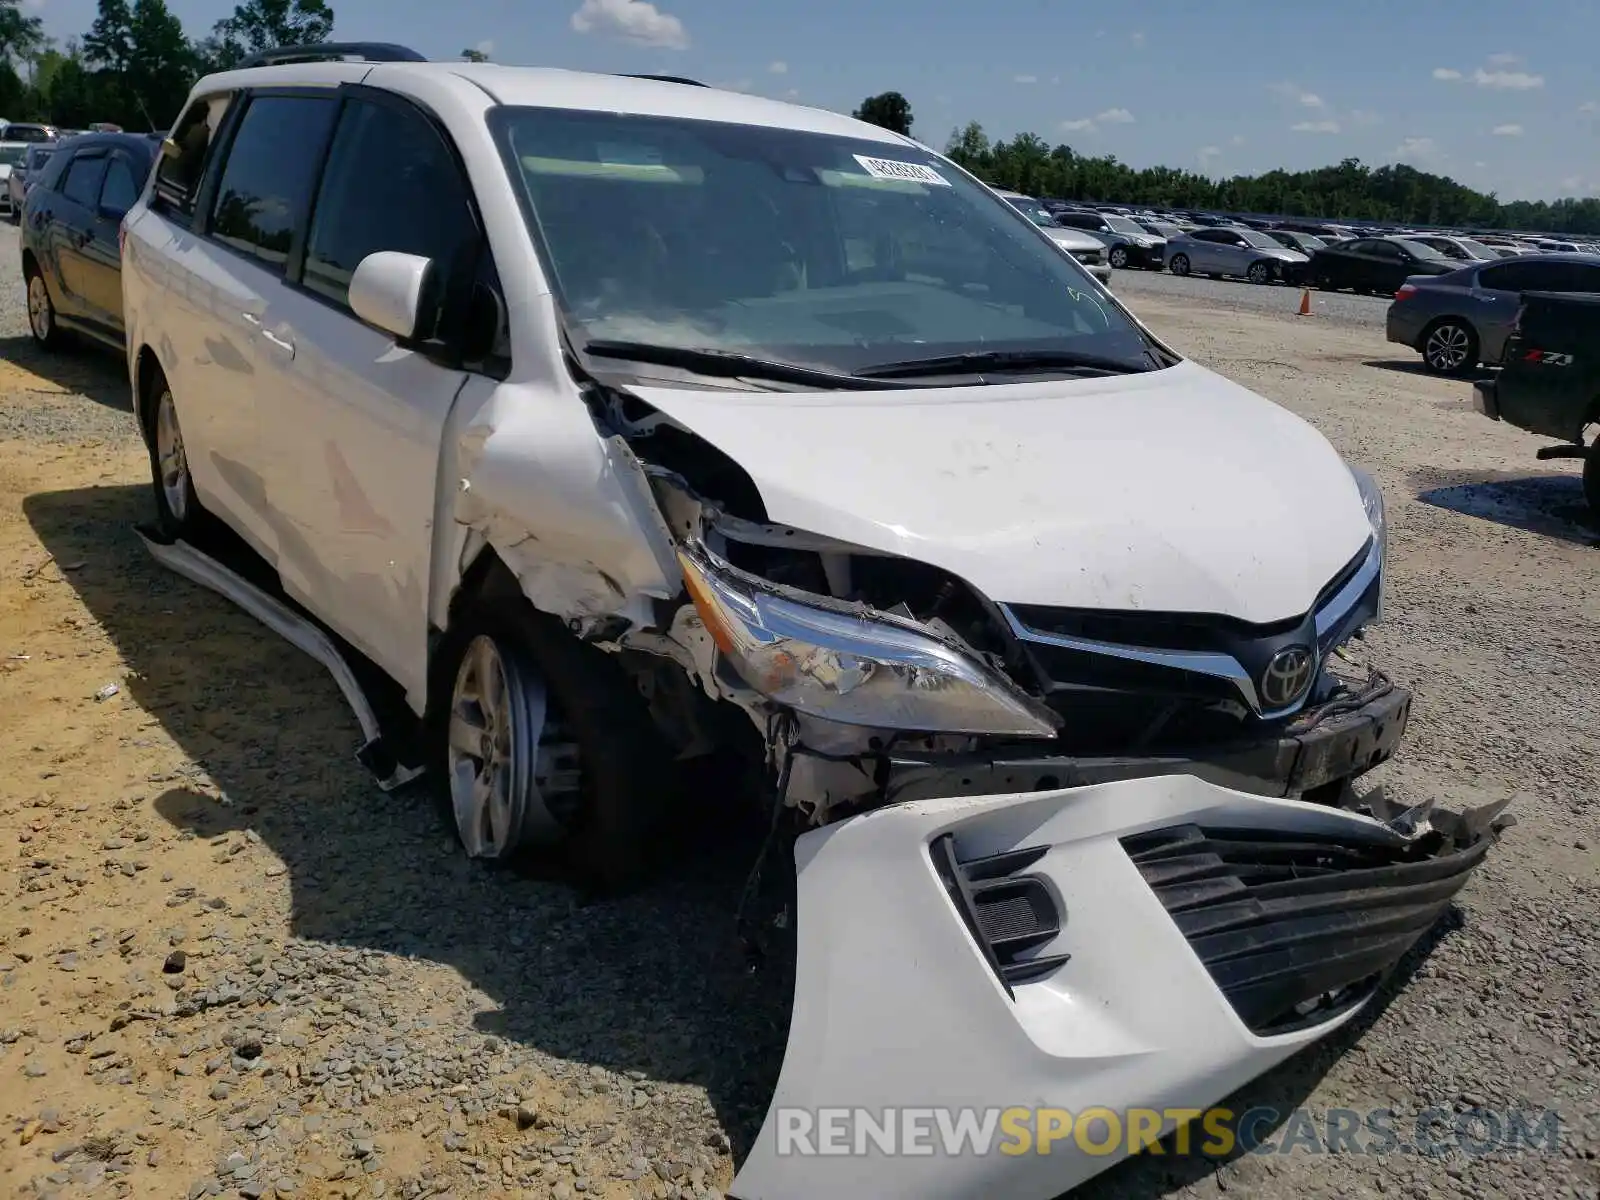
(1502,99)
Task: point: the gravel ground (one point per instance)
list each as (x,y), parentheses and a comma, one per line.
(229,965)
(1344,308)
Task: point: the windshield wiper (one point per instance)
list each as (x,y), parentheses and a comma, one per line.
(728,364)
(976,361)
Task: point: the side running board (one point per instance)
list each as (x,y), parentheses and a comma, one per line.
(300,632)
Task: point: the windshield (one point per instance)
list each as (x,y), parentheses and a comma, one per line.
(1123,224)
(1164,229)
(1256,238)
(37,158)
(1420,249)
(812,249)
(10,156)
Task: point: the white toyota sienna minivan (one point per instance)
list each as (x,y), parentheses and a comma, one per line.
(615,421)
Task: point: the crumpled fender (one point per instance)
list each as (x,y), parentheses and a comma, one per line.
(897,1007)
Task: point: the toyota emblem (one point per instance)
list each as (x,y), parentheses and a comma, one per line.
(1287,676)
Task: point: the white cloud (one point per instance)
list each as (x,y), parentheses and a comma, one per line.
(1364,116)
(1507,131)
(1514,81)
(1589,106)
(1517,81)
(633,21)
(485,47)
(792,94)
(1207,153)
(778,68)
(1111,116)
(1315,127)
(1480,164)
(1572,183)
(1236,140)
(1296,93)
(1504,60)
(1416,148)
(1138,38)
(1024,79)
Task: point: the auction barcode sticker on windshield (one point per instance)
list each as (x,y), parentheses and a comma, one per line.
(888,168)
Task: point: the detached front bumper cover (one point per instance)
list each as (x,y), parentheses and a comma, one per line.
(1144,944)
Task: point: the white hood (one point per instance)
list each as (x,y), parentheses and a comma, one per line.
(1169,491)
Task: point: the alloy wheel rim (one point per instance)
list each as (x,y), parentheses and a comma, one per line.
(39,307)
(1119,257)
(513,775)
(1258,274)
(172,462)
(1447,346)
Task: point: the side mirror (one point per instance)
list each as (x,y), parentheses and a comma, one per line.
(390,291)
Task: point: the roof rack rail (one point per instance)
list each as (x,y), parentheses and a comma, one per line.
(322,51)
(669,79)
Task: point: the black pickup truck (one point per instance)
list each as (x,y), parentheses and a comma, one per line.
(1549,382)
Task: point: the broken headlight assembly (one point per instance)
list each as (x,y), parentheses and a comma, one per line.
(849,663)
(1372,501)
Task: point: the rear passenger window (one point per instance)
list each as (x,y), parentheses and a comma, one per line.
(185,153)
(121,189)
(81,184)
(266,182)
(391,184)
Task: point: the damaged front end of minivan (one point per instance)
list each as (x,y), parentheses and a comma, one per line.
(1033,825)
(876,679)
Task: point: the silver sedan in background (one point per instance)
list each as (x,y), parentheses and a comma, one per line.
(1463,249)
(1226,250)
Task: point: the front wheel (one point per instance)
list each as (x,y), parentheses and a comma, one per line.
(541,740)
(1259,272)
(1119,257)
(42,313)
(1179,264)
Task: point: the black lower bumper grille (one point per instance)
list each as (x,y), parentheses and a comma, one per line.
(1008,913)
(1293,928)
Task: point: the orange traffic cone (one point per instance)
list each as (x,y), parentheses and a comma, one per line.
(1305,302)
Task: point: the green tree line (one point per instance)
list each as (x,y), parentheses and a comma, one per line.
(135,64)
(1350,190)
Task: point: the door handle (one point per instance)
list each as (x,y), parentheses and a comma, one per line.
(250,318)
(282,343)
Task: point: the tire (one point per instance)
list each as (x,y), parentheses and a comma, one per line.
(594,786)
(47,335)
(1119,257)
(1591,478)
(1179,264)
(1259,272)
(178,510)
(1449,347)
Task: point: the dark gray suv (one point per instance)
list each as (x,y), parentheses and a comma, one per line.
(1460,319)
